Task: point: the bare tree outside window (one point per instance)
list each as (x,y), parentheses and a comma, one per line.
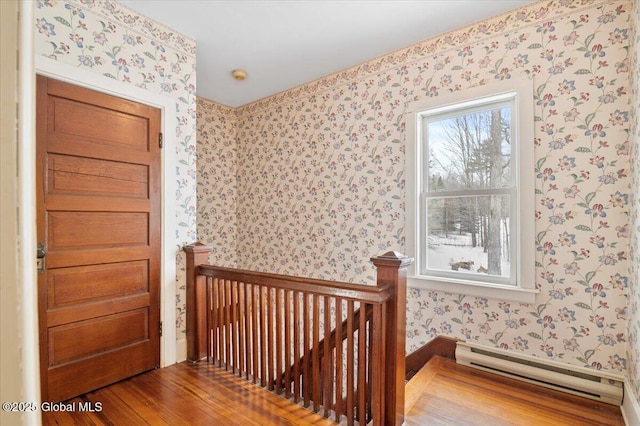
(471,193)
(467,190)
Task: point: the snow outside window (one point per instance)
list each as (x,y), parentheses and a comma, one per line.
(470,192)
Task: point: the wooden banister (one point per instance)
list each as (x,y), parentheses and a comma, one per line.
(336,347)
(349,291)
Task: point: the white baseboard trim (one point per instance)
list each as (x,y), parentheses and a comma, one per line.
(181,350)
(630,407)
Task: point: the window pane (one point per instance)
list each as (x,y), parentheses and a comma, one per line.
(469,235)
(471,150)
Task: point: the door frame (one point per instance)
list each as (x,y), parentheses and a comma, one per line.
(168,247)
(27,283)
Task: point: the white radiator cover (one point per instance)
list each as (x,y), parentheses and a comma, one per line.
(598,385)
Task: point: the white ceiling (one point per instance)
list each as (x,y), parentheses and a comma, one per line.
(284,43)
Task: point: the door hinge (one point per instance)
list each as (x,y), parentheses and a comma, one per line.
(160,328)
(160,139)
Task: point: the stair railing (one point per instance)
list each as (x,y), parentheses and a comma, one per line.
(304,338)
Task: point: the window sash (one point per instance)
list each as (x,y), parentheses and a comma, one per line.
(459,275)
(424,118)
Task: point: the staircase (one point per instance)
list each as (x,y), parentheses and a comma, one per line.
(337,348)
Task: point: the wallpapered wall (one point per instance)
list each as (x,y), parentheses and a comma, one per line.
(320,168)
(633,330)
(321,176)
(107,38)
(217,183)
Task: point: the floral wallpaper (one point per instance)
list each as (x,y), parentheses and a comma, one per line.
(633,348)
(314,183)
(217,189)
(107,38)
(321,177)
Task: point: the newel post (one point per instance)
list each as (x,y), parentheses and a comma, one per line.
(392,269)
(197,254)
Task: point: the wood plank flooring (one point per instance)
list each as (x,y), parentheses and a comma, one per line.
(442,393)
(186,394)
(445,393)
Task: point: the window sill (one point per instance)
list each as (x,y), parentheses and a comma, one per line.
(491,291)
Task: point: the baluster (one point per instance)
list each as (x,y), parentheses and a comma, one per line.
(240,315)
(296,346)
(221,325)
(325,364)
(235,343)
(339,359)
(212,326)
(350,363)
(279,337)
(317,395)
(269,339)
(247,330)
(228,338)
(362,365)
(287,343)
(306,360)
(263,336)
(369,361)
(255,335)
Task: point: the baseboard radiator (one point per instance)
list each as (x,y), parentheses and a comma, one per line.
(575,380)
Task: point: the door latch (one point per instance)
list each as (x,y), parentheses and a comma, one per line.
(40,253)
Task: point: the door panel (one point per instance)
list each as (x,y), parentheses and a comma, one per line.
(70,230)
(85,284)
(98,208)
(89,257)
(94,310)
(73,175)
(96,371)
(96,124)
(125,328)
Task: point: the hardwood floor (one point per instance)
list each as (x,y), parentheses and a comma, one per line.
(445,393)
(442,393)
(186,394)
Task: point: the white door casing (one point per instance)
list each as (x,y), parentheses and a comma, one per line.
(63,72)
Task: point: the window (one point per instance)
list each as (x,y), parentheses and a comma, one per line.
(470,192)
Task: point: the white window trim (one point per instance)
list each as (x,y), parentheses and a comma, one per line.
(524,291)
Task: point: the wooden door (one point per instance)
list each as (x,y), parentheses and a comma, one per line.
(98,213)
